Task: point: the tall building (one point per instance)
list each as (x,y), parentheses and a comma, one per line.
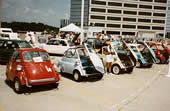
(123,17)
(168,21)
(64,22)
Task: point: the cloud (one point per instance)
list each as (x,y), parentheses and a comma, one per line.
(5,4)
(50,11)
(35,11)
(26,10)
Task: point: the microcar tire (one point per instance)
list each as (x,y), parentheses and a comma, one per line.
(116,69)
(17,86)
(77,77)
(138,64)
(100,76)
(129,70)
(158,61)
(150,65)
(55,85)
(61,70)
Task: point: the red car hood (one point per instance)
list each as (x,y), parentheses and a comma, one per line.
(41,70)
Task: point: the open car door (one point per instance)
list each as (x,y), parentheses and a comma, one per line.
(97,62)
(131,53)
(151,52)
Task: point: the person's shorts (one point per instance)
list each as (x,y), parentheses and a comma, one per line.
(109,58)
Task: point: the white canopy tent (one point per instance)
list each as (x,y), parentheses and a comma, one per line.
(70,28)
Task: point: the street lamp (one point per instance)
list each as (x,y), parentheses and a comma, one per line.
(82,20)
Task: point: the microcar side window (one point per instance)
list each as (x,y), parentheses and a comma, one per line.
(71,53)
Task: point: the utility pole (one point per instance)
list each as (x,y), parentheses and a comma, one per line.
(166,19)
(82,20)
(0,12)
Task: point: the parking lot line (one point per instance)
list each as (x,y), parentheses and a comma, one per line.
(135,95)
(104,100)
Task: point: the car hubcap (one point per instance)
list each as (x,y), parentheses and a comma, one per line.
(17,86)
(157,60)
(76,76)
(138,64)
(116,69)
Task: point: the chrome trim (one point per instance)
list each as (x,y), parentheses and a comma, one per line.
(42,80)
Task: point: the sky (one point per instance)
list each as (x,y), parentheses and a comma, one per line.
(44,11)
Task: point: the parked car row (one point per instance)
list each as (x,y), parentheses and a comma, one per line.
(28,66)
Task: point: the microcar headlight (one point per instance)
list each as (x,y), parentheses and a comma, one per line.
(55,67)
(77,63)
(19,68)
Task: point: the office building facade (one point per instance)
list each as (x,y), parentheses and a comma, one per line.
(122,17)
(64,22)
(168,21)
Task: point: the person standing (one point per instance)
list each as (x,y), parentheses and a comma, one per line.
(98,43)
(109,58)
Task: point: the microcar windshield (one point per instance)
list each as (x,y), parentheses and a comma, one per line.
(35,56)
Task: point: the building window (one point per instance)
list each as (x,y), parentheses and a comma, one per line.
(113,32)
(144,20)
(159,21)
(145,6)
(130,5)
(143,27)
(114,18)
(145,13)
(129,26)
(157,28)
(161,1)
(129,19)
(99,24)
(98,17)
(128,33)
(114,4)
(96,2)
(98,10)
(159,14)
(114,11)
(130,12)
(113,25)
(159,7)
(147,0)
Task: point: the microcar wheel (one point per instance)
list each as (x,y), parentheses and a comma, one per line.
(100,76)
(77,76)
(61,70)
(55,85)
(17,86)
(129,70)
(158,61)
(116,69)
(150,65)
(138,64)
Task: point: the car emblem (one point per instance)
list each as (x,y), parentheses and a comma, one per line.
(48,69)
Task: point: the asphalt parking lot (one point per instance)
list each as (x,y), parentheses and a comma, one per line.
(143,90)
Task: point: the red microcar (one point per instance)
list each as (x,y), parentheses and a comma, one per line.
(29,67)
(161,51)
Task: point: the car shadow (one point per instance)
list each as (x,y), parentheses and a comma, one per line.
(34,89)
(84,79)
